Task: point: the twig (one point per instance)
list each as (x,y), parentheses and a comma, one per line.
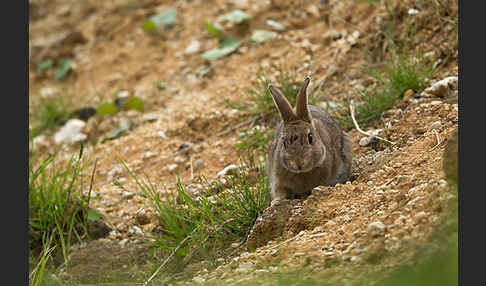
(167,259)
(351,108)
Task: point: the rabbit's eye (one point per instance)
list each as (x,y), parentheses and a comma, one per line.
(310,138)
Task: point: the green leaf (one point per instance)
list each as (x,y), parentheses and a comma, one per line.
(165,19)
(237,16)
(227,47)
(133,103)
(93,215)
(275,25)
(42,66)
(118,131)
(160,84)
(212,29)
(107,109)
(64,68)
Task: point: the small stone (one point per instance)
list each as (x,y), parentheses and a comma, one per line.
(260,36)
(179,159)
(244,267)
(162,135)
(198,280)
(436,125)
(412,11)
(443,87)
(71,132)
(376,228)
(193,47)
(365,141)
(148,154)
(171,167)
(150,117)
(407,95)
(39,141)
(127,195)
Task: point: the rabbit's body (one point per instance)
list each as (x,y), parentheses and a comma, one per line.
(310,149)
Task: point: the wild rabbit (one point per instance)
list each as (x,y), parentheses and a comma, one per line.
(310,149)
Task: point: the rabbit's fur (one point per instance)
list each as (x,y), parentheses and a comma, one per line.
(310,149)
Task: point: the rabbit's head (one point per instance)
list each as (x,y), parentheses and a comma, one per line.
(299,146)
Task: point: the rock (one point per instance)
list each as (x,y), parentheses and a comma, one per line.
(365,141)
(198,279)
(412,11)
(436,125)
(71,132)
(260,36)
(141,218)
(171,167)
(376,228)
(162,135)
(443,88)
(193,47)
(270,224)
(150,117)
(408,94)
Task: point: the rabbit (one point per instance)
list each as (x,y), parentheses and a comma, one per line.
(310,148)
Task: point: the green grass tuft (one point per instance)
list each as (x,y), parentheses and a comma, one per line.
(403,72)
(198,227)
(48,113)
(57,207)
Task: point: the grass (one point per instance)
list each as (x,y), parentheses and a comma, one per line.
(401,73)
(197,228)
(57,209)
(49,113)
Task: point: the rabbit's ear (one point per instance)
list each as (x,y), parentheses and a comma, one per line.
(282,104)
(302,109)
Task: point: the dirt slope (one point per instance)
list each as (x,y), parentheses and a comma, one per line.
(399,193)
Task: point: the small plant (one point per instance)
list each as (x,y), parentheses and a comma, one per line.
(193,227)
(403,72)
(254,142)
(57,207)
(49,113)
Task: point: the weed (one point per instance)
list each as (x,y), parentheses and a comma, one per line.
(57,207)
(196,227)
(254,142)
(49,113)
(403,72)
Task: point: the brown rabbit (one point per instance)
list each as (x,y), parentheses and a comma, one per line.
(310,148)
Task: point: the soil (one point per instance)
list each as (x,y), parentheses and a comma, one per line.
(399,193)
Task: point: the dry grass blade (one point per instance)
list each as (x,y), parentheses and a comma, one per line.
(351,108)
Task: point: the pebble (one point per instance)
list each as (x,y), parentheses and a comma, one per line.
(150,117)
(71,132)
(198,279)
(260,36)
(442,87)
(436,125)
(171,167)
(162,135)
(193,47)
(376,228)
(365,141)
(148,154)
(407,95)
(179,159)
